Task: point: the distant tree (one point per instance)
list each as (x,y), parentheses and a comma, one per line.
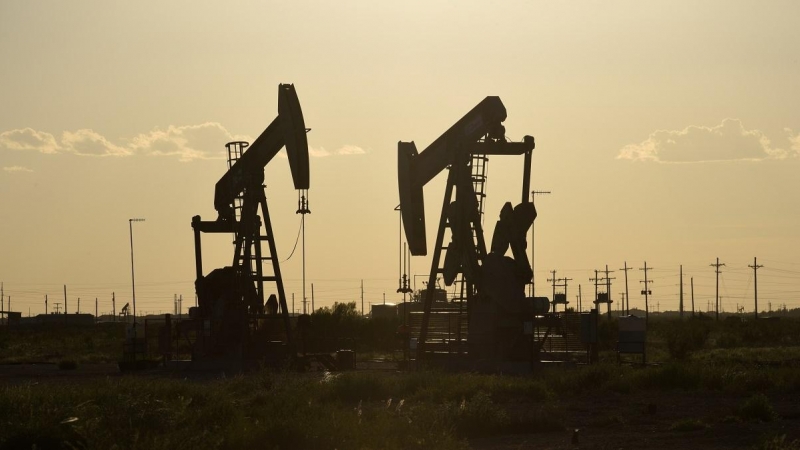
(340,310)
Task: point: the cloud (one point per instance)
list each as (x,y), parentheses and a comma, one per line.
(204,141)
(29,139)
(794,141)
(186,142)
(17,169)
(318,152)
(728,141)
(89,143)
(350,150)
(346,150)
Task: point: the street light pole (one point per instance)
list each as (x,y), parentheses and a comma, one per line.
(133,278)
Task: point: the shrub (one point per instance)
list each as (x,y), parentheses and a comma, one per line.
(757,407)
(684,338)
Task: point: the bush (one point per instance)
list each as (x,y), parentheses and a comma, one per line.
(758,407)
(684,338)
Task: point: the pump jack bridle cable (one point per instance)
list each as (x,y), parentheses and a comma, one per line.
(300,229)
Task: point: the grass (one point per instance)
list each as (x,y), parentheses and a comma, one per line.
(346,410)
(779,443)
(369,409)
(262,410)
(52,344)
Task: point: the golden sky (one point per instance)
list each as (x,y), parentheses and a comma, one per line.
(668,132)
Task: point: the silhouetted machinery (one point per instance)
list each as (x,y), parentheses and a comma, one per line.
(235,317)
(489,321)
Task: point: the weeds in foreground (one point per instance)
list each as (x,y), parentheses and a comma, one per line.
(779,443)
(757,407)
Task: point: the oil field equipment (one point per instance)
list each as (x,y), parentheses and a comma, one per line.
(489,320)
(235,317)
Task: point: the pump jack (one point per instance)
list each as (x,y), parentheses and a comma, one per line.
(234,319)
(493,283)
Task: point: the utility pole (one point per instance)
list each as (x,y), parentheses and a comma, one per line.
(294,311)
(362,298)
(580,307)
(95,310)
(692,283)
(565,281)
(646,291)
(597,300)
(608,289)
(553,299)
(312,299)
(45,304)
(717,271)
(755,268)
(627,295)
(114,305)
(621,308)
(681,298)
(79,306)
(533,264)
(65,299)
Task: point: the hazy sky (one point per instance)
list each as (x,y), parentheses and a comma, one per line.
(668,132)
